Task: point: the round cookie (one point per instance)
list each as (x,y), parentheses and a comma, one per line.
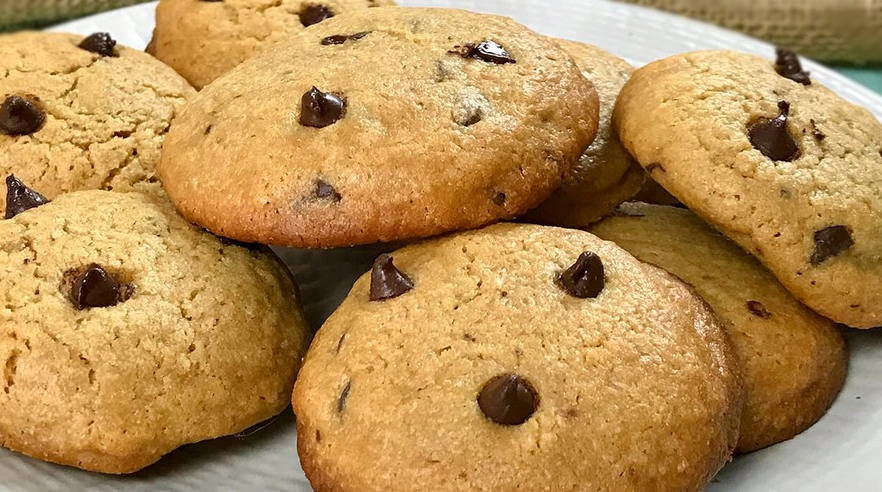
(204,39)
(793,360)
(652,193)
(605,175)
(82,114)
(431,139)
(196,339)
(791,172)
(492,374)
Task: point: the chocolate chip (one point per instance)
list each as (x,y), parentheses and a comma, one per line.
(313,14)
(320,109)
(830,242)
(387,282)
(20,116)
(757,309)
(488,51)
(508,399)
(344,397)
(585,279)
(499,198)
(771,137)
(100,43)
(95,288)
(653,166)
(342,38)
(787,65)
(818,134)
(324,191)
(20,198)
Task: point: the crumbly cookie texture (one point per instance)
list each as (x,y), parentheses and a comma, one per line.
(777,162)
(102,117)
(506,359)
(203,40)
(198,338)
(302,146)
(794,361)
(605,175)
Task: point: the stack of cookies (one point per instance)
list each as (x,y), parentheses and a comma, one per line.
(586,344)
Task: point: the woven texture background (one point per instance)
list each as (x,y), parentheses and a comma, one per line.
(16,14)
(827,30)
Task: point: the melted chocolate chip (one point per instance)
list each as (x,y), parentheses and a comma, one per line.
(20,198)
(342,38)
(320,109)
(499,198)
(757,309)
(488,51)
(20,116)
(95,288)
(387,282)
(771,137)
(787,65)
(324,191)
(100,43)
(829,242)
(585,279)
(818,134)
(344,397)
(508,399)
(313,14)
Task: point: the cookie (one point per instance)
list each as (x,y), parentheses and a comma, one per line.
(774,160)
(128,333)
(506,359)
(204,39)
(652,193)
(432,139)
(793,360)
(83,113)
(605,175)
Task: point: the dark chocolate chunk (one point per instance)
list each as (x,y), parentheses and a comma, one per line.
(20,116)
(585,279)
(320,109)
(818,134)
(772,138)
(324,191)
(95,288)
(829,242)
(387,282)
(20,198)
(508,399)
(757,309)
(499,198)
(344,397)
(787,65)
(313,14)
(342,38)
(488,51)
(100,43)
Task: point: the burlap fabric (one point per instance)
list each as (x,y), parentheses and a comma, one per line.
(16,14)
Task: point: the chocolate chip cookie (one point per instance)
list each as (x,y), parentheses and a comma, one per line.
(204,39)
(605,175)
(303,146)
(774,160)
(83,113)
(793,360)
(127,332)
(507,356)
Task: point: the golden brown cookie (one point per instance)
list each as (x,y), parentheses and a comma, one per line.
(774,160)
(605,175)
(83,113)
(517,357)
(204,39)
(127,332)
(794,361)
(431,139)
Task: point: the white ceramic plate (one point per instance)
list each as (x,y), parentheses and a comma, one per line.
(839,453)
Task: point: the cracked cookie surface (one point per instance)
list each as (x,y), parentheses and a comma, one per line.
(793,360)
(104,116)
(199,338)
(302,146)
(709,127)
(506,364)
(203,40)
